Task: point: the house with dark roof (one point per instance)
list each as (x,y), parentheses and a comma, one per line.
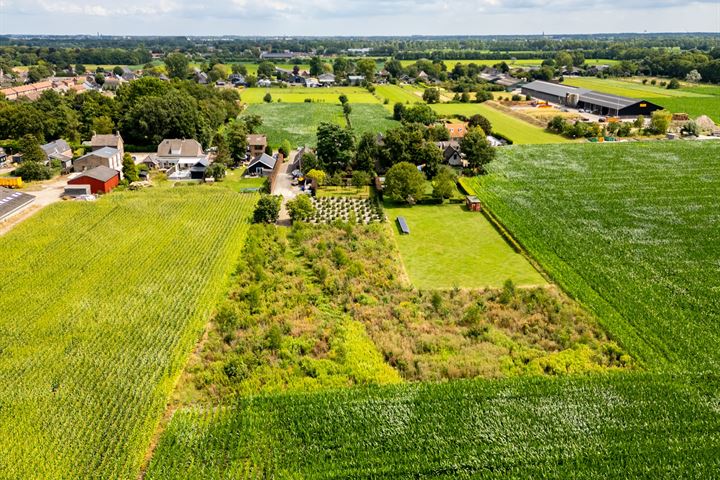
(12,202)
(451,153)
(595,102)
(101,179)
(262,165)
(59,150)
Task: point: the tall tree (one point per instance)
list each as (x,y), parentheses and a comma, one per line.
(30,148)
(478,151)
(366,153)
(403,182)
(334,147)
(177,65)
(237,140)
(316,66)
(130,170)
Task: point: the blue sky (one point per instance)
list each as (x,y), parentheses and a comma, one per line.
(355,17)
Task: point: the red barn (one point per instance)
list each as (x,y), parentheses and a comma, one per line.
(101,179)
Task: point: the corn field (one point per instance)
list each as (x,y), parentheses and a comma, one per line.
(101,304)
(603,426)
(632,231)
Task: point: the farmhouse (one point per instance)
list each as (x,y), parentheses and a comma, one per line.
(100,179)
(457,130)
(59,150)
(11,202)
(112,140)
(326,79)
(256,145)
(451,153)
(595,102)
(183,158)
(106,157)
(262,165)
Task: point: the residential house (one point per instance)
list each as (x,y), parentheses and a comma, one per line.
(451,153)
(237,79)
(326,79)
(103,157)
(112,140)
(264,83)
(183,159)
(3,155)
(262,165)
(201,77)
(31,91)
(457,130)
(128,75)
(312,82)
(422,76)
(256,145)
(356,79)
(101,179)
(59,150)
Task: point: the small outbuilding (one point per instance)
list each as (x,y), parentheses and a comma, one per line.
(262,165)
(473,203)
(100,179)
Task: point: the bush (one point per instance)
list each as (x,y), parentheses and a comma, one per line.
(516,98)
(673,84)
(267,98)
(300,208)
(31,171)
(267,209)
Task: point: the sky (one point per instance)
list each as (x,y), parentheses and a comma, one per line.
(355,17)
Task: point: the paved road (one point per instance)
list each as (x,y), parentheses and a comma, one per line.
(283,186)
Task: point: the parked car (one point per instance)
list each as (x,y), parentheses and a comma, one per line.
(602,119)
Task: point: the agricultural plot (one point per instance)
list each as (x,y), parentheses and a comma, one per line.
(298,123)
(628,230)
(106,301)
(518,131)
(301,94)
(512,63)
(695,101)
(450,247)
(606,426)
(399,94)
(362,210)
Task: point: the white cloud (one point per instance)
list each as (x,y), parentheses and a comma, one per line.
(352,17)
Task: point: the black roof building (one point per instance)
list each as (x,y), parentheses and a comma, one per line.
(11,202)
(595,102)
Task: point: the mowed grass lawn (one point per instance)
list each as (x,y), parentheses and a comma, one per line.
(300,94)
(695,101)
(450,247)
(518,131)
(298,122)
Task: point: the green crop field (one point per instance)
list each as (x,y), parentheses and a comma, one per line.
(605,426)
(627,229)
(695,101)
(518,131)
(399,94)
(512,63)
(103,302)
(450,246)
(299,94)
(298,122)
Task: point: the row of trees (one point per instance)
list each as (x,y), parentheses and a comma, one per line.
(145,111)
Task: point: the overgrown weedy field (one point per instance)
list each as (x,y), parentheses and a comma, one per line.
(102,303)
(630,230)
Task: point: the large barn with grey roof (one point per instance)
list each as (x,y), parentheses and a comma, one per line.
(595,102)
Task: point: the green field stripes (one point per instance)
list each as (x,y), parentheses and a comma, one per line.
(605,426)
(625,229)
(102,302)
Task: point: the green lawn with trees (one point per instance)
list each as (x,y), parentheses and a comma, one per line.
(450,247)
(298,122)
(303,94)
